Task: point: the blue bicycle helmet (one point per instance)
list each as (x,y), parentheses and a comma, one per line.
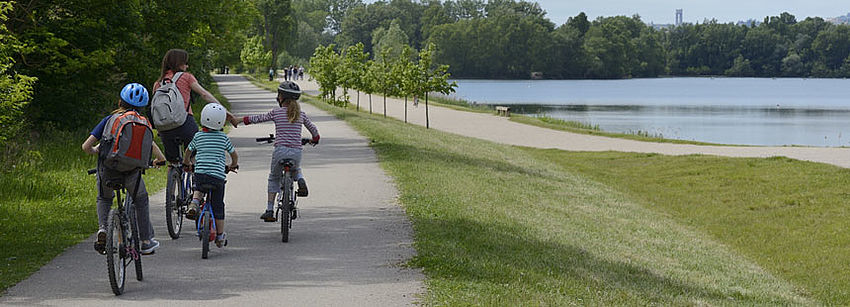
(135,94)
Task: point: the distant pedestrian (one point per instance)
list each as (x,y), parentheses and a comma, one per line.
(271,74)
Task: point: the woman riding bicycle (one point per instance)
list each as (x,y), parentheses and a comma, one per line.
(174,61)
(288,119)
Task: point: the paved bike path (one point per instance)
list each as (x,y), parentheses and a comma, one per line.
(346,248)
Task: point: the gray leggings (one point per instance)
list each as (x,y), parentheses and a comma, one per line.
(106,195)
(281,153)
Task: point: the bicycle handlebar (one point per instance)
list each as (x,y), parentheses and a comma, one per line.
(270,139)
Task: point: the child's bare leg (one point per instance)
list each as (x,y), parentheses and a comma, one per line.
(219,226)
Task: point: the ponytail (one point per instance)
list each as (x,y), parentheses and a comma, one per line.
(293,110)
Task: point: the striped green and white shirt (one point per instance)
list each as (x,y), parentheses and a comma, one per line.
(210,148)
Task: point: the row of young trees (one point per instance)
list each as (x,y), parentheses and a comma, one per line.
(406,73)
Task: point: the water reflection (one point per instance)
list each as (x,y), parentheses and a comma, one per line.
(716,124)
(752,111)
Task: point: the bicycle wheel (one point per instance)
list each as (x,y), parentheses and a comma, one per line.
(205,234)
(116,257)
(285,210)
(173,202)
(136,255)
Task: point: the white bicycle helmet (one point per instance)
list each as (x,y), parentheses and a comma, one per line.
(213,116)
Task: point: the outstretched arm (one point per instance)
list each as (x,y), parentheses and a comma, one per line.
(208,97)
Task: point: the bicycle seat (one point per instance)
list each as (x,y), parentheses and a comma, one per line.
(114,184)
(288,163)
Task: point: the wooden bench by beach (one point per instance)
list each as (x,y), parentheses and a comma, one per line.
(502,109)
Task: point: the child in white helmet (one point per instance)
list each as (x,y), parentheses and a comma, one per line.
(209,147)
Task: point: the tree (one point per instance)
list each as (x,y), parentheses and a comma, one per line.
(354,63)
(433,80)
(15,89)
(278,24)
(337,9)
(391,38)
(402,75)
(740,68)
(579,23)
(370,80)
(832,46)
(764,48)
(324,68)
(254,54)
(383,75)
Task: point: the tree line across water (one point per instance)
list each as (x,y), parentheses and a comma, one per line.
(510,39)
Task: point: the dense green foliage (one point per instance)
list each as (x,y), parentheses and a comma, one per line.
(15,89)
(83,51)
(511,39)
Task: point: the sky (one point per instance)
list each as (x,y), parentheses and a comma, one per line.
(663,11)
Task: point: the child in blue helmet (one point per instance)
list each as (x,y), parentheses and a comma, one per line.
(134,97)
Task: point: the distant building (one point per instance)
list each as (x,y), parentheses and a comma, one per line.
(661,26)
(749,23)
(679,17)
(840,19)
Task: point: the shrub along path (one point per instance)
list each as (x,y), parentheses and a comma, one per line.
(346,247)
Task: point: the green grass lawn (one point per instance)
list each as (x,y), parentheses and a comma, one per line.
(502,225)
(47,201)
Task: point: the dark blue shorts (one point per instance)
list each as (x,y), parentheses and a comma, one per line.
(216,196)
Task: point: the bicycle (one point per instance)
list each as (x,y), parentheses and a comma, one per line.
(122,237)
(178,195)
(205,221)
(286,202)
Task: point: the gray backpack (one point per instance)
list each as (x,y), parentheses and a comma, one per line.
(126,142)
(168,110)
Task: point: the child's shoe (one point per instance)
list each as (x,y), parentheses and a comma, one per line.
(192,212)
(100,244)
(268,216)
(150,247)
(221,240)
(302,188)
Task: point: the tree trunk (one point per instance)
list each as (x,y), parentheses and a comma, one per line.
(405,109)
(358,101)
(370,103)
(385,105)
(427,119)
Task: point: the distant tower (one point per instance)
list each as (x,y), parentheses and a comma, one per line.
(678,17)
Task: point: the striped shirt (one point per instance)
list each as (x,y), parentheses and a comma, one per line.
(210,148)
(286,133)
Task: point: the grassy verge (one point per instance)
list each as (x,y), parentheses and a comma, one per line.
(502,225)
(790,217)
(47,201)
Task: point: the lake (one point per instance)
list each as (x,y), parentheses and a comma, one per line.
(748,111)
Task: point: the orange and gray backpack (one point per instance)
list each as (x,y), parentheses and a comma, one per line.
(126,142)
